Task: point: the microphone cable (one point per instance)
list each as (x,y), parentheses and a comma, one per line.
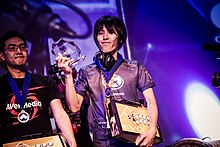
(81,13)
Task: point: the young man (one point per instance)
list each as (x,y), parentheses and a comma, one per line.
(25,98)
(110,75)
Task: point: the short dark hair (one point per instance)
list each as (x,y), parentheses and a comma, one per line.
(111,23)
(8,35)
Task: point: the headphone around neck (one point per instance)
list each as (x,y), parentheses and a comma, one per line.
(105,59)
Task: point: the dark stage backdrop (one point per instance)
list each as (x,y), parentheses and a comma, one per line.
(166,36)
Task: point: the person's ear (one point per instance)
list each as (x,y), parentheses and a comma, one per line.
(2,56)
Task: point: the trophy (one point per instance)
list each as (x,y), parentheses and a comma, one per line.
(68,49)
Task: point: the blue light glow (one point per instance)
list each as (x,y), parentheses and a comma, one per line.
(215,15)
(203,109)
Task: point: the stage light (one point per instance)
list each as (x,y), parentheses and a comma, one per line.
(215,12)
(217,38)
(149,46)
(203,109)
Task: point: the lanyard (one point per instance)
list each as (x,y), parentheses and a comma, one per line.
(21,98)
(109,74)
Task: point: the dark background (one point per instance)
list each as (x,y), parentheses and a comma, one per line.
(167,36)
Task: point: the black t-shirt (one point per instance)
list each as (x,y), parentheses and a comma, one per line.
(34,118)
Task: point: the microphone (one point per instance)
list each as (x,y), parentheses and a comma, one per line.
(32,16)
